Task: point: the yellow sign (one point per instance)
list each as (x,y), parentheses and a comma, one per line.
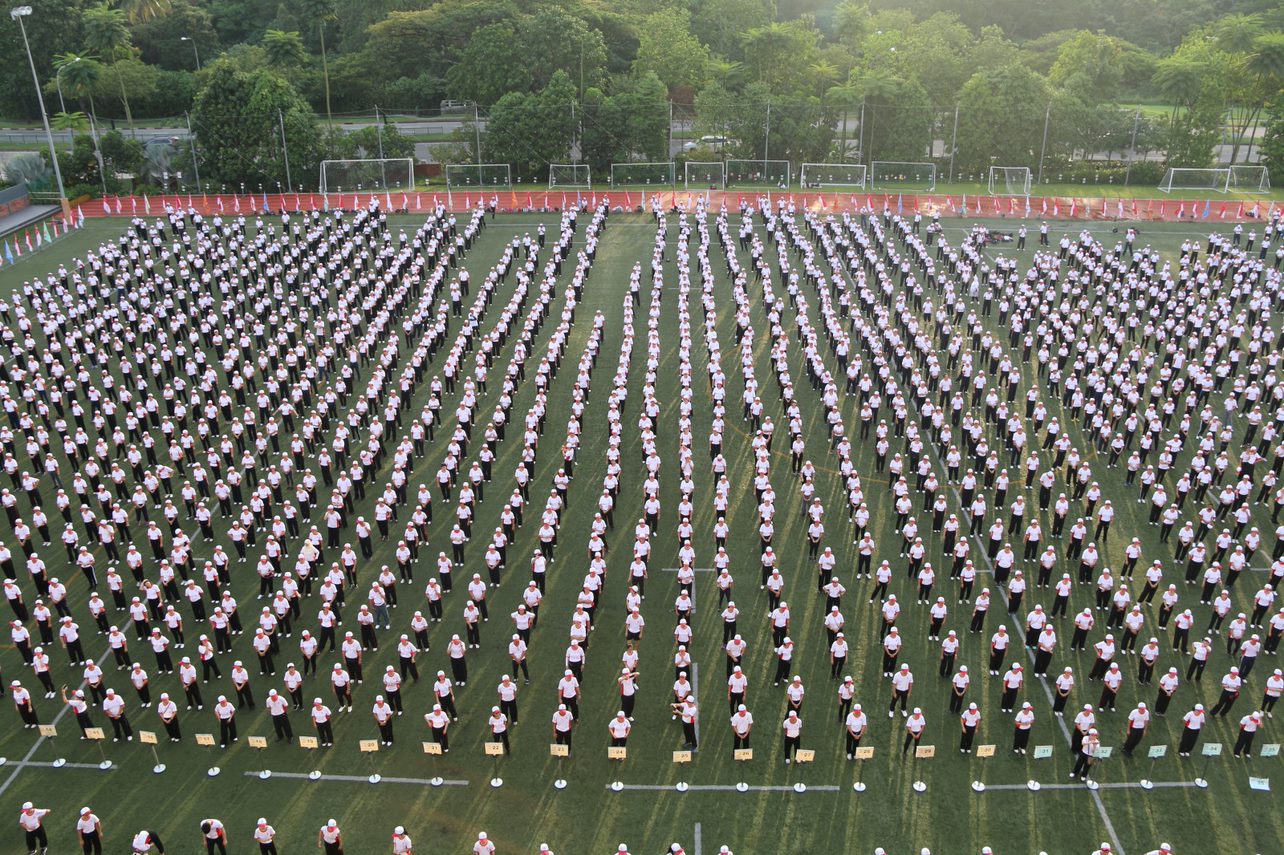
(681,756)
(308,742)
(368,746)
(48,731)
(206,739)
(146,737)
(805,755)
(494,749)
(259,742)
(924,752)
(865,753)
(555,750)
(617,752)
(94,733)
(985,751)
(432,748)
(743,755)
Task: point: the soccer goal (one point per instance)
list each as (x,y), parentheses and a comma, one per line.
(768,173)
(1186,178)
(817,176)
(641,174)
(393,173)
(569,176)
(462,176)
(900,175)
(1010,180)
(703,174)
(1249,179)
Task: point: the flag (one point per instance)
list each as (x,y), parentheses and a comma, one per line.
(949,200)
(220,204)
(189,200)
(1119,209)
(530,201)
(1043,208)
(1012,205)
(46,231)
(1056,207)
(978,204)
(468,202)
(236,204)
(563,201)
(900,203)
(418,201)
(628,200)
(1073,202)
(265,201)
(30,248)
(1134,207)
(8,253)
(1027,206)
(1223,213)
(405,202)
(1208,208)
(118,205)
(871,204)
(1181,212)
(80,217)
(133,204)
(1240,213)
(147,204)
(387,196)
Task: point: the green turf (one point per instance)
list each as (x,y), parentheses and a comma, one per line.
(586,817)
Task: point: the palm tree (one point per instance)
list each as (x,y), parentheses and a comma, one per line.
(79,73)
(825,73)
(847,96)
(73,121)
(283,49)
(107,33)
(144,10)
(323,11)
(1237,33)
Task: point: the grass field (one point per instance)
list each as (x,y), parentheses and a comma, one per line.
(587,817)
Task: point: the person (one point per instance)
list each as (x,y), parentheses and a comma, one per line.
(741,727)
(215,836)
(619,729)
(438,721)
(914,727)
(401,842)
(147,841)
(563,724)
(226,715)
(484,845)
(1087,754)
(321,716)
(265,836)
(1248,726)
(330,838)
(278,710)
(89,831)
(793,735)
(383,714)
(1192,724)
(498,725)
(687,711)
(969,721)
(32,822)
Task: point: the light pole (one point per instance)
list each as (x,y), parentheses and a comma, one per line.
(194,50)
(62,105)
(18,13)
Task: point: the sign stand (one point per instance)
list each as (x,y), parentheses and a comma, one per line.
(371,746)
(148,737)
(680,757)
(802,756)
(862,754)
(495,749)
(922,752)
(206,740)
(561,752)
(97,735)
(434,749)
(311,743)
(48,731)
(1041,752)
(1210,749)
(618,753)
(1103,754)
(259,743)
(1155,753)
(742,755)
(983,752)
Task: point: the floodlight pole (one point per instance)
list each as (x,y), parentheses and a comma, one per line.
(285,150)
(1132,145)
(18,13)
(1047,116)
(191,145)
(954,142)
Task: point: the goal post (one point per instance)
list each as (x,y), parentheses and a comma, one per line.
(1247,178)
(498,176)
(1010,180)
(1189,178)
(569,176)
(770,173)
(817,176)
(902,175)
(643,174)
(393,173)
(703,174)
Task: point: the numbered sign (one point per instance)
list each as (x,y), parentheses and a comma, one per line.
(257,742)
(805,755)
(308,742)
(555,750)
(48,731)
(1212,749)
(865,753)
(206,739)
(368,746)
(147,737)
(1157,751)
(986,750)
(1105,752)
(1271,749)
(925,752)
(681,756)
(1263,784)
(494,749)
(1042,752)
(432,748)
(94,733)
(743,755)
(617,752)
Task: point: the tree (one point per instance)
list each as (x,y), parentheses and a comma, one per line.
(668,49)
(719,24)
(1273,140)
(322,11)
(160,40)
(107,34)
(284,49)
(144,10)
(79,75)
(237,119)
(779,54)
(1194,79)
(1090,64)
(846,97)
(487,68)
(898,118)
(554,40)
(1001,114)
(643,104)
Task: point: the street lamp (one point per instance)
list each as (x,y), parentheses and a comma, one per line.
(194,50)
(18,13)
(62,105)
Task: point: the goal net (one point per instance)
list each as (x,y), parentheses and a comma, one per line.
(1186,178)
(642,174)
(769,173)
(816,176)
(703,174)
(476,175)
(569,176)
(1010,180)
(393,173)
(1249,179)
(899,175)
